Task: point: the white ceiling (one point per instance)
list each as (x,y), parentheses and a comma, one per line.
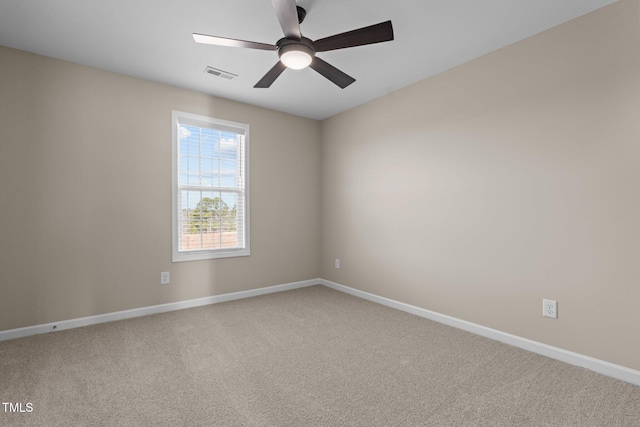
(151,39)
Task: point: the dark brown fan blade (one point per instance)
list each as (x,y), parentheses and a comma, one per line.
(271,76)
(332,73)
(222,41)
(288,17)
(382,32)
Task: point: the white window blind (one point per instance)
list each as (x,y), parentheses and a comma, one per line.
(210,188)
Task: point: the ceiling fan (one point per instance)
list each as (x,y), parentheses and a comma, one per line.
(298,52)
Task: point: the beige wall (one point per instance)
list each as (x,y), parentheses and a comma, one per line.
(85,185)
(512,178)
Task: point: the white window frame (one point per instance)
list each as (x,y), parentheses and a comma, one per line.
(179,256)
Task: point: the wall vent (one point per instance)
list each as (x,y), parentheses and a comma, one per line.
(220,73)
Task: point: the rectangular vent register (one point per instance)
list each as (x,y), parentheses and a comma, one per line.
(220,73)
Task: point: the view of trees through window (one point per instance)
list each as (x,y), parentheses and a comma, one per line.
(211,215)
(210,225)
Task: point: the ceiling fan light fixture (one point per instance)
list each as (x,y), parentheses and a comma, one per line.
(296,56)
(298,52)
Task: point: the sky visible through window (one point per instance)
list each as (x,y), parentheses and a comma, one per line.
(209,158)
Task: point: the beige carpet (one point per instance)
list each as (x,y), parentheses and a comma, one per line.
(307,357)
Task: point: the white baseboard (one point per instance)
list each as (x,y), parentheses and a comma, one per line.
(600,366)
(145,311)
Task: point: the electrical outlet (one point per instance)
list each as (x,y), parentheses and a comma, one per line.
(337,263)
(164,278)
(550,308)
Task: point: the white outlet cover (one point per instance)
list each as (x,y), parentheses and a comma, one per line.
(164,278)
(550,308)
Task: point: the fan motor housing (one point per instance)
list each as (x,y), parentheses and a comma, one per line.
(296,54)
(304,44)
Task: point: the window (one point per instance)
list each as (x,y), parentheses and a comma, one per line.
(210,188)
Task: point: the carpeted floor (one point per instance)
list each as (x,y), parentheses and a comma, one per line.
(307,357)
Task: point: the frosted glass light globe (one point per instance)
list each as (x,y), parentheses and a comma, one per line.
(296,59)
(296,55)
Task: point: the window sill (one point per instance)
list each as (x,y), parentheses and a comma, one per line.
(203,255)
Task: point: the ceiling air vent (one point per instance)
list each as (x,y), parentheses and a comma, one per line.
(219,73)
